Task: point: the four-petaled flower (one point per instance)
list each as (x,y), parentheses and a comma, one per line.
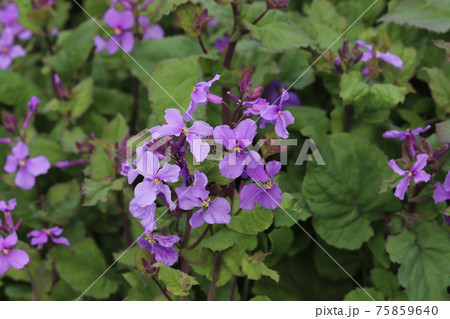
(236,140)
(9,18)
(9,51)
(275,114)
(408,135)
(27,169)
(268,195)
(161,247)
(388,57)
(121,22)
(215,211)
(153,32)
(41,237)
(200,96)
(10,257)
(442,191)
(417,173)
(199,129)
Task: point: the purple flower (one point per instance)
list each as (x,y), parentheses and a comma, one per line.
(199,129)
(10,257)
(5,140)
(388,57)
(236,140)
(200,96)
(274,114)
(216,211)
(268,195)
(154,176)
(33,104)
(417,173)
(121,22)
(27,169)
(222,43)
(150,31)
(39,4)
(66,164)
(408,135)
(161,247)
(9,51)
(41,237)
(9,18)
(446,219)
(276,4)
(6,209)
(146,214)
(442,191)
(273,92)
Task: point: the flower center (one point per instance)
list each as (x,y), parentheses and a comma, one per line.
(279,112)
(22,163)
(47,231)
(150,240)
(410,174)
(5,251)
(5,49)
(117,31)
(238,149)
(195,89)
(268,185)
(185,130)
(157,181)
(205,203)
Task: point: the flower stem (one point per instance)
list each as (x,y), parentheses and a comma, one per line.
(33,285)
(260,16)
(217,261)
(233,288)
(126,225)
(200,41)
(200,238)
(348,117)
(163,290)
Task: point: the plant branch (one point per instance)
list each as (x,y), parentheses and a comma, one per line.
(200,41)
(163,290)
(217,261)
(200,238)
(348,117)
(126,225)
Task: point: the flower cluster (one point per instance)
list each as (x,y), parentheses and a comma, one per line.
(10,30)
(122,24)
(424,157)
(164,164)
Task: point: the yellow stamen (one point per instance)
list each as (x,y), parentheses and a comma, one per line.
(195,89)
(157,181)
(22,163)
(268,185)
(410,174)
(47,231)
(205,203)
(238,149)
(279,112)
(185,130)
(5,49)
(150,240)
(117,31)
(5,251)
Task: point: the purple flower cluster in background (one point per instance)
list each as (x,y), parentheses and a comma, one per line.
(163,163)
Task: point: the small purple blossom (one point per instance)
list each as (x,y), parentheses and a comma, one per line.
(442,191)
(39,4)
(9,51)
(236,140)
(417,173)
(33,104)
(6,208)
(275,89)
(146,214)
(41,237)
(27,168)
(154,176)
(9,18)
(268,195)
(121,22)
(200,96)
(446,219)
(161,247)
(275,114)
(222,43)
(153,32)
(388,57)
(5,140)
(216,211)
(199,129)
(10,257)
(66,164)
(408,135)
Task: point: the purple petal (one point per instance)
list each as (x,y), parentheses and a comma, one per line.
(225,136)
(283,121)
(154,32)
(395,167)
(197,218)
(273,168)
(11,164)
(199,149)
(419,130)
(166,192)
(270,112)
(42,238)
(20,151)
(100,44)
(112,46)
(392,59)
(201,129)
(18,258)
(400,135)
(144,244)
(148,164)
(61,240)
(144,22)
(167,241)
(421,163)
(56,231)
(127,41)
(270,198)
(113,18)
(189,115)
(141,212)
(38,165)
(145,193)
(232,165)
(4,264)
(186,200)
(421,176)
(218,212)
(246,132)
(10,241)
(165,255)
(169,173)
(250,195)
(24,179)
(401,188)
(257,174)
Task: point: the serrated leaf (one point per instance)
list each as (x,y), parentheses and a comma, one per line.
(177,282)
(81,98)
(440,87)
(251,222)
(63,199)
(16,90)
(116,130)
(96,191)
(443,131)
(254,268)
(186,15)
(424,255)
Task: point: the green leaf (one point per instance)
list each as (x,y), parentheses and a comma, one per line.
(251,222)
(209,167)
(432,15)
(281,240)
(440,87)
(276,31)
(358,294)
(98,191)
(186,14)
(343,194)
(81,98)
(116,130)
(101,166)
(16,90)
(443,131)
(223,240)
(177,282)
(70,137)
(254,268)
(443,45)
(178,77)
(424,255)
(376,245)
(63,199)
(385,281)
(159,8)
(81,265)
(47,147)
(74,48)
